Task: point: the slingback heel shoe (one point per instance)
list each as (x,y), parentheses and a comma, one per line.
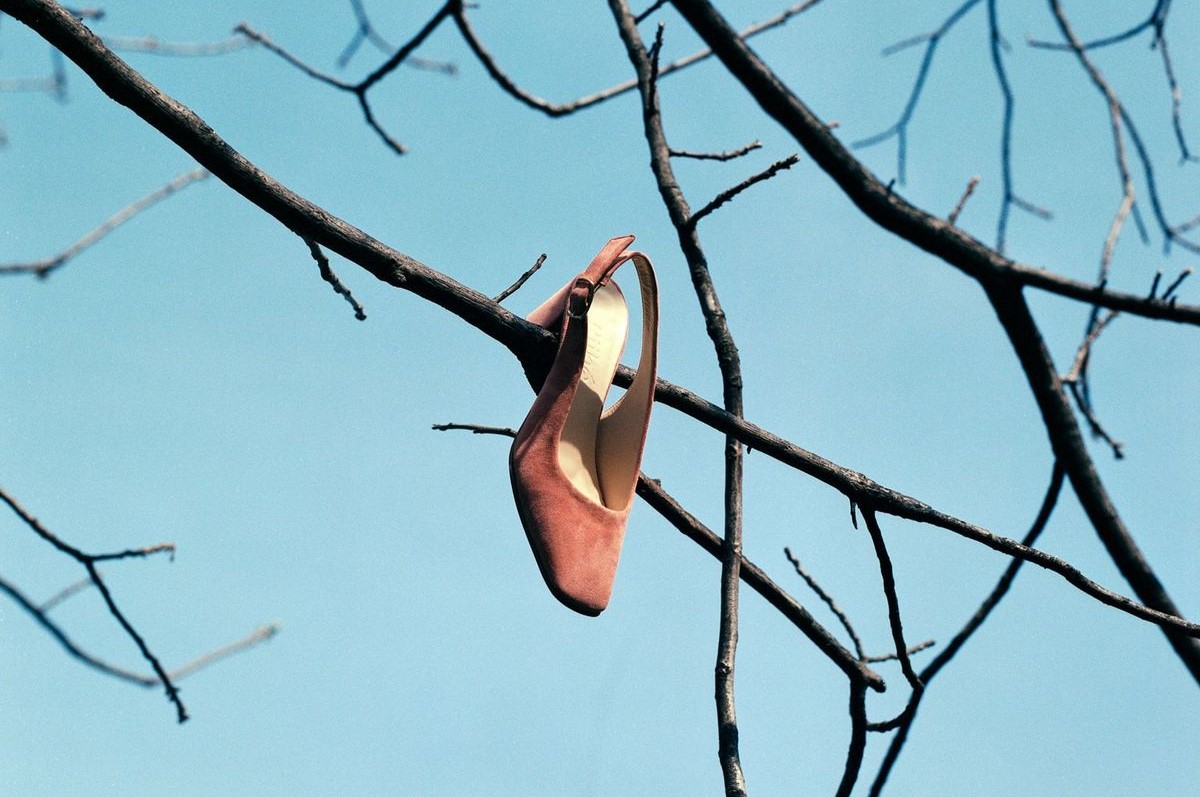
(574,465)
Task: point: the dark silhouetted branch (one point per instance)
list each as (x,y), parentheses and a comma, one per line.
(858,739)
(728,194)
(1002,282)
(521,280)
(970,627)
(717,156)
(360,89)
(972,184)
(828,600)
(89,564)
(332,278)
(645,64)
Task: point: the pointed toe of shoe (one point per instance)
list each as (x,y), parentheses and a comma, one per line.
(577,543)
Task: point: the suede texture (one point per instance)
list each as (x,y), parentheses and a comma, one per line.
(576,540)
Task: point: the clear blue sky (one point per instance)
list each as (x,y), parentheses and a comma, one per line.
(192,379)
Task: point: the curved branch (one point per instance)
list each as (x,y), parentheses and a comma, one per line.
(554,109)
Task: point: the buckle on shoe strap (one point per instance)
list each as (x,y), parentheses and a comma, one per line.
(580,299)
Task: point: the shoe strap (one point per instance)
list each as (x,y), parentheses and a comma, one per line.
(598,272)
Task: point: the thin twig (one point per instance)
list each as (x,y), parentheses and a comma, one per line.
(657,4)
(42,268)
(156,46)
(962,201)
(1169,293)
(1157,18)
(137,553)
(893,602)
(728,194)
(366,32)
(899,130)
(858,739)
(332,278)
(474,428)
(521,280)
(1085,348)
(829,601)
(255,637)
(63,594)
(717,156)
(912,649)
(1160,41)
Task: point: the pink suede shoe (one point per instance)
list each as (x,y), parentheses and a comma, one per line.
(574,465)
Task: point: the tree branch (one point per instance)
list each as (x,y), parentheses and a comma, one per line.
(89,564)
(728,361)
(996,274)
(43,268)
(972,625)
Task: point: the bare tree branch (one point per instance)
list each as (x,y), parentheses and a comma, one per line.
(1122,120)
(729,193)
(564,109)
(254,638)
(995,275)
(367,32)
(646,66)
(858,739)
(899,130)
(42,268)
(41,615)
(912,649)
(828,600)
(521,280)
(328,275)
(64,594)
(156,46)
(717,156)
(474,428)
(89,564)
(360,89)
(972,625)
(972,184)
(893,602)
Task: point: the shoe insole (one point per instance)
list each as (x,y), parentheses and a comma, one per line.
(607,326)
